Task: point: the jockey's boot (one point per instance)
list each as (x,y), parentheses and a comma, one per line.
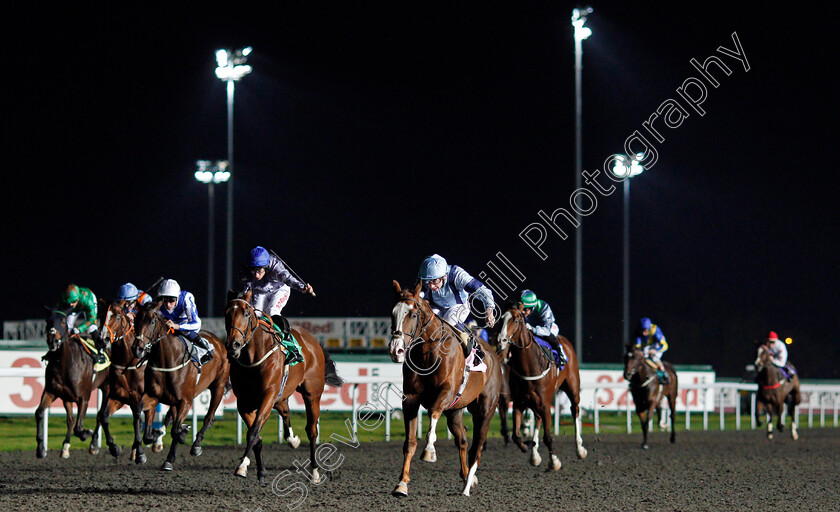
(469,342)
(552,340)
(663,377)
(293,356)
(100,359)
(207,356)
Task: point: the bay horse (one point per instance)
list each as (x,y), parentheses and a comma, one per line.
(262,380)
(69,376)
(774,391)
(647,391)
(435,376)
(172,378)
(534,380)
(126,382)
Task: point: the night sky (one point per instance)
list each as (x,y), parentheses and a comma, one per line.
(372,135)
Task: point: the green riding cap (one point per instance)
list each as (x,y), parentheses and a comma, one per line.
(529,298)
(70,294)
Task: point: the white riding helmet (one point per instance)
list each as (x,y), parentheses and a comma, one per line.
(169,288)
(433,267)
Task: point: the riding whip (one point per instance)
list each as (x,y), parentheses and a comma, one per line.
(291,271)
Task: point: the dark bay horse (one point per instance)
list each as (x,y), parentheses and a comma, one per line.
(534,380)
(172,378)
(126,382)
(647,391)
(262,380)
(435,376)
(774,391)
(69,376)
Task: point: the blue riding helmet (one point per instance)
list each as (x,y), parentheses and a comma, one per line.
(259,257)
(644,323)
(128,292)
(433,267)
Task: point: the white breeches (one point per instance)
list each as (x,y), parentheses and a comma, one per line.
(272,303)
(455,315)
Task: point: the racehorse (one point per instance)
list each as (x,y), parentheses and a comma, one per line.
(435,376)
(69,376)
(534,380)
(261,379)
(504,395)
(647,391)
(774,391)
(126,382)
(172,378)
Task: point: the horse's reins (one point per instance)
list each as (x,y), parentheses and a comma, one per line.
(122,337)
(517,335)
(417,327)
(152,343)
(252,329)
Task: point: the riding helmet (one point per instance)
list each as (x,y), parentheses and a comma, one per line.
(169,288)
(433,267)
(70,294)
(259,257)
(645,323)
(128,292)
(528,298)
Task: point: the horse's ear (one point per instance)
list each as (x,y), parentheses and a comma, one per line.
(247,295)
(397,286)
(520,307)
(418,288)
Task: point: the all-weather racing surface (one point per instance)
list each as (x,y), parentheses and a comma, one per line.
(731,470)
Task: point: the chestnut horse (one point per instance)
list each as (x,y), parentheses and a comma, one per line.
(774,391)
(69,376)
(534,380)
(435,376)
(647,391)
(126,382)
(261,379)
(172,378)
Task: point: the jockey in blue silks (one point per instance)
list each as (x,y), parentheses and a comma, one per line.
(650,339)
(181,315)
(133,298)
(540,319)
(449,289)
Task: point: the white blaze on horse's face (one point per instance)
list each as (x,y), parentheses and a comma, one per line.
(504,338)
(397,346)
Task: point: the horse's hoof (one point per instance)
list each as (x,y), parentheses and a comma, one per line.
(158,446)
(535,460)
(582,453)
(167,466)
(41,452)
(65,451)
(429,456)
(555,464)
(195,451)
(85,434)
(94,450)
(317,477)
(401,490)
(115,450)
(645,446)
(293,442)
(140,459)
(240,471)
(261,480)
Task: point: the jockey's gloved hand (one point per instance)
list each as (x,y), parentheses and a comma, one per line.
(529,327)
(74,330)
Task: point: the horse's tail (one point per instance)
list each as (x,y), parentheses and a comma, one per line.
(330,374)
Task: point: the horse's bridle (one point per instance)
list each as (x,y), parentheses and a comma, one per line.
(123,321)
(139,336)
(634,370)
(517,335)
(417,328)
(252,328)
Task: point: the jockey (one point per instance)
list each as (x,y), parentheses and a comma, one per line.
(779,354)
(540,320)
(84,308)
(181,314)
(271,283)
(650,339)
(449,290)
(133,298)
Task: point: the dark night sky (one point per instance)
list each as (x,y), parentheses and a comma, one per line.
(369,136)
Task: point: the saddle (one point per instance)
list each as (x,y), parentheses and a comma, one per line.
(551,353)
(287,340)
(198,354)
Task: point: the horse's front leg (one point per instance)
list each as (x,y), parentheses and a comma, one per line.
(65,446)
(217,392)
(179,432)
(313,412)
(644,418)
(517,428)
(109,406)
(47,398)
(257,419)
(79,429)
(410,409)
(503,416)
(554,463)
(429,453)
(455,423)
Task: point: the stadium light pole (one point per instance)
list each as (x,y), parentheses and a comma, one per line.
(622,171)
(211,173)
(231,68)
(581,33)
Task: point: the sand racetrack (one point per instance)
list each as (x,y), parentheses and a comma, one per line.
(703,471)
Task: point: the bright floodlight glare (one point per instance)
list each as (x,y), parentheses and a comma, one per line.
(578,19)
(247,50)
(222,58)
(636,168)
(619,169)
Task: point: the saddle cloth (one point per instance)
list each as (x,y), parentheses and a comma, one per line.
(290,343)
(90,345)
(196,352)
(548,350)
